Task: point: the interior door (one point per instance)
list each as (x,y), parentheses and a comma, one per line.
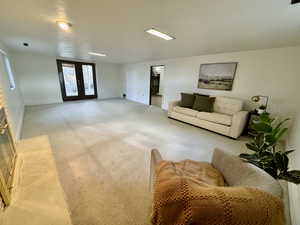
(77,80)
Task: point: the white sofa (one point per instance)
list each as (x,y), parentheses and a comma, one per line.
(227,118)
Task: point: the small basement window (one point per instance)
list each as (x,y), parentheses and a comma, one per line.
(11,79)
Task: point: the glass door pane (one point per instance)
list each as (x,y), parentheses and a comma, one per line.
(70,80)
(77,80)
(88,80)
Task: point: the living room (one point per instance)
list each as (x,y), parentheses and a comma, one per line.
(87,158)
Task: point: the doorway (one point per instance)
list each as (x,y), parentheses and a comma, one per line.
(156,85)
(77,80)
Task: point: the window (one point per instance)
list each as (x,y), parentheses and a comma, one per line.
(9,72)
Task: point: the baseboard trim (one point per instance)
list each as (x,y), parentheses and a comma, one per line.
(43,103)
(112,98)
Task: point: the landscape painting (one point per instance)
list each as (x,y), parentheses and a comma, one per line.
(217,76)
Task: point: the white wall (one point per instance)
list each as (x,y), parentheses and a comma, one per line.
(294,190)
(12,98)
(137,82)
(38,78)
(39,82)
(272,72)
(109,80)
(161,82)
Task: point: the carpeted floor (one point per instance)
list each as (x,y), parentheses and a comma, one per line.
(37,194)
(156,100)
(102,151)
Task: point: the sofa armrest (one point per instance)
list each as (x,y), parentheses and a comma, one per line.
(172,105)
(239,121)
(155,159)
(236,172)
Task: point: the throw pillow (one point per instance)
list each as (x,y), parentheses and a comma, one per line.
(203,103)
(187,100)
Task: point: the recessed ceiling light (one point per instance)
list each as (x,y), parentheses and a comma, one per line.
(97,54)
(64,25)
(159,34)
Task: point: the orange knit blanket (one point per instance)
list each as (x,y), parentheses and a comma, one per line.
(193,193)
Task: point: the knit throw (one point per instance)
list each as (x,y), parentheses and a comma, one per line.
(193,193)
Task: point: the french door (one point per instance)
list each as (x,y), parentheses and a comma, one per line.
(77,80)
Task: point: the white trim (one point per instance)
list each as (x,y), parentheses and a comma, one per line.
(7,64)
(20,125)
(11,78)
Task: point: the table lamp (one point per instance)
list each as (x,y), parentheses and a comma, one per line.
(257,98)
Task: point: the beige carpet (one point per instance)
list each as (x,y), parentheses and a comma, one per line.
(102,152)
(37,195)
(156,100)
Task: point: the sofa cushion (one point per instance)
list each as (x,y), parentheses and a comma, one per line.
(227,105)
(218,128)
(185,111)
(215,118)
(187,100)
(203,103)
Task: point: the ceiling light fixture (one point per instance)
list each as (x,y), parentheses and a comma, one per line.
(157,33)
(64,25)
(97,54)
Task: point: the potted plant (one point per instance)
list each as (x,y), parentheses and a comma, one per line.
(265,154)
(261,109)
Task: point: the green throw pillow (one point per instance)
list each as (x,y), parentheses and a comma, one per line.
(201,94)
(203,103)
(187,100)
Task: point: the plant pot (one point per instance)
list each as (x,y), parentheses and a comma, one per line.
(260,111)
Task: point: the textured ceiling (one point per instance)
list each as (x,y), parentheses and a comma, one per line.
(116,27)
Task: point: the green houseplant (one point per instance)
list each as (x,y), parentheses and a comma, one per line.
(265,153)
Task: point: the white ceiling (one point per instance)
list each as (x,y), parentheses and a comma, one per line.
(116,27)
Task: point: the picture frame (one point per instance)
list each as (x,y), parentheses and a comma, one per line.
(217,76)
